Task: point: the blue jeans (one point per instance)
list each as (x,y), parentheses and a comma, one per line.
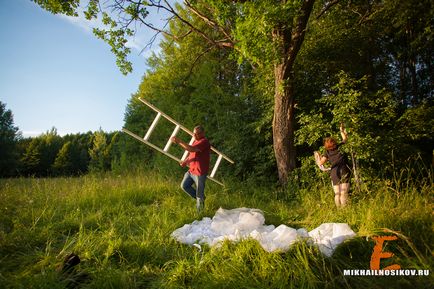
(199,181)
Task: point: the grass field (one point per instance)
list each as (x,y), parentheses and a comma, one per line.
(120,226)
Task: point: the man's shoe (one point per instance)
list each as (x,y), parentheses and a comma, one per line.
(200,205)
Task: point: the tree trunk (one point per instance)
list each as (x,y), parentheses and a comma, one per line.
(288,42)
(283,122)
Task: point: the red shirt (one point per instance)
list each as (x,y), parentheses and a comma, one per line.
(199,161)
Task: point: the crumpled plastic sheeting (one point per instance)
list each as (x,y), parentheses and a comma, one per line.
(242,223)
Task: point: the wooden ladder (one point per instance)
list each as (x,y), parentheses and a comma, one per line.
(166,148)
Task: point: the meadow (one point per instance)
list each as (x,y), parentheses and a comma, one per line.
(120,225)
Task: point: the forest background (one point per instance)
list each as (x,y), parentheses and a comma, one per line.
(367,64)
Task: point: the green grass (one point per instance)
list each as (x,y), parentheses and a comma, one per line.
(120,227)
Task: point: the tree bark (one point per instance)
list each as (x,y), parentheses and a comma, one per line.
(288,43)
(283,123)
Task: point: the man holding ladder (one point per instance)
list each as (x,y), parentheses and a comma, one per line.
(196,155)
(198,161)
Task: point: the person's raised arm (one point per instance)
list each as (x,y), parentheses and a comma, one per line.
(343,133)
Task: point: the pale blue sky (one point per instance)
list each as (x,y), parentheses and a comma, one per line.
(55,72)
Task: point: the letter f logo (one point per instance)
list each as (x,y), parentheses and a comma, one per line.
(377,254)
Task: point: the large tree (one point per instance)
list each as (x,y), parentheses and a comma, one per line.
(268,33)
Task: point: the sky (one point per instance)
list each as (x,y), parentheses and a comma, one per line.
(55,73)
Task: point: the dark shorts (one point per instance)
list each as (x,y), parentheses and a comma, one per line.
(340,175)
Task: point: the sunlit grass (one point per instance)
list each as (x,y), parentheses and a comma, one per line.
(120,226)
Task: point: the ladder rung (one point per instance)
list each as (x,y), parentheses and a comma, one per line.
(217,163)
(151,128)
(186,152)
(169,142)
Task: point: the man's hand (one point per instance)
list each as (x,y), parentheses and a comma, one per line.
(174,139)
(183,163)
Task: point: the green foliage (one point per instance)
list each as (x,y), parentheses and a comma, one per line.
(74,154)
(368,117)
(253,32)
(254,25)
(41,154)
(50,154)
(408,38)
(417,123)
(8,140)
(67,7)
(63,163)
(414,132)
(117,39)
(99,153)
(31,157)
(386,41)
(72,159)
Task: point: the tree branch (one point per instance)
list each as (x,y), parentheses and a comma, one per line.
(298,33)
(190,72)
(327,7)
(209,21)
(128,12)
(195,29)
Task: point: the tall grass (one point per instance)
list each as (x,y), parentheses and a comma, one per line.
(120,226)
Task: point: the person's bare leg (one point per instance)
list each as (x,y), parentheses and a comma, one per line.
(337,190)
(344,189)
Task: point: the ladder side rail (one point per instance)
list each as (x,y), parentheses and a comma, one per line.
(222,154)
(214,180)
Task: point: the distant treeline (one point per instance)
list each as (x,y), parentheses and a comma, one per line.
(52,155)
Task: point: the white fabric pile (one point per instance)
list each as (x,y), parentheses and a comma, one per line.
(242,223)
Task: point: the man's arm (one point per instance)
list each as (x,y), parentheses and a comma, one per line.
(185,145)
(185,162)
